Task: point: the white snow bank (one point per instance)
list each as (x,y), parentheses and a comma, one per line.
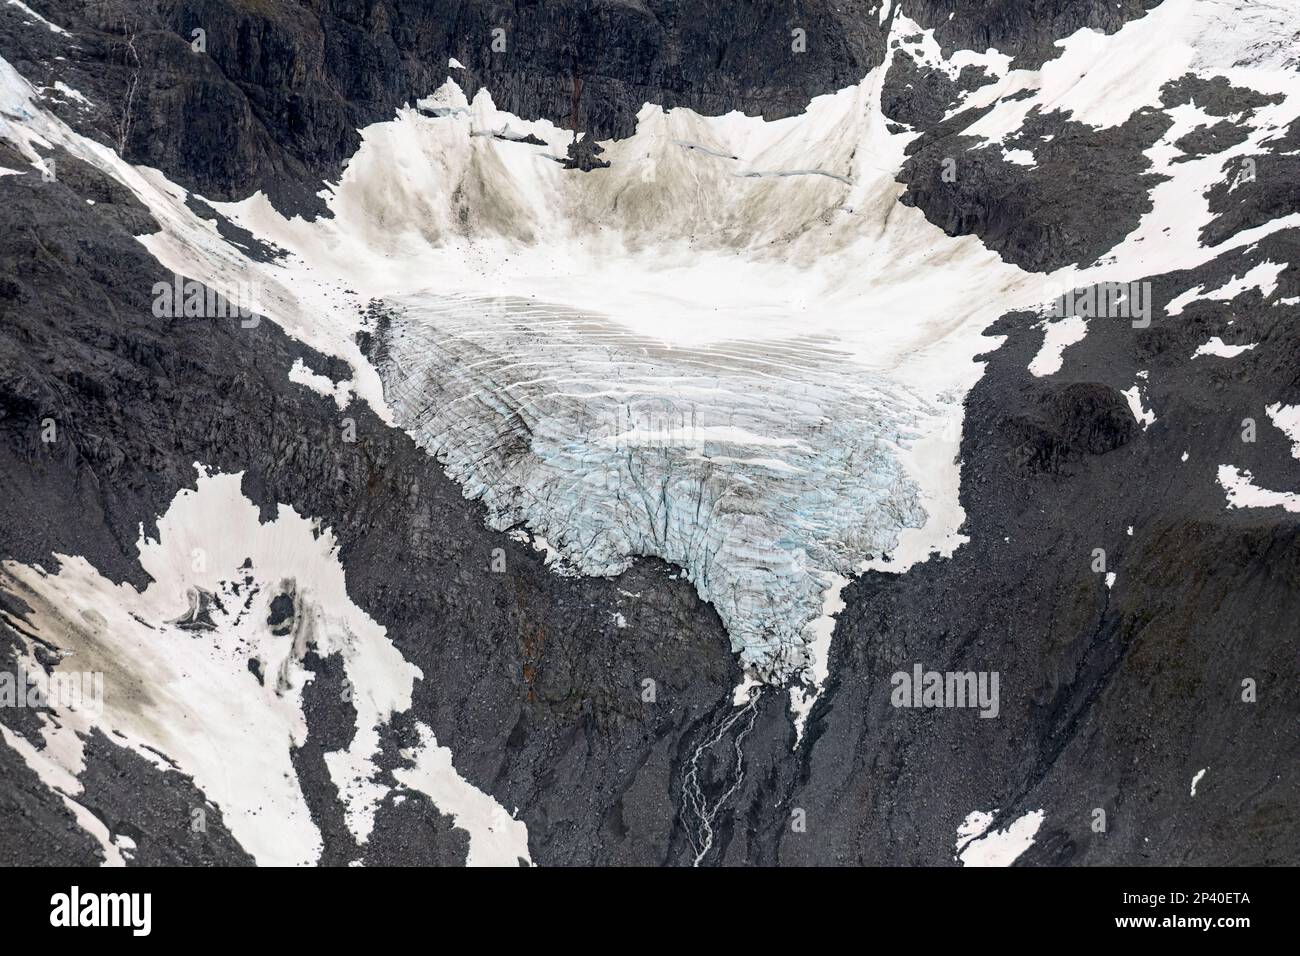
(975,847)
(1216,346)
(1262,277)
(1239,485)
(221,699)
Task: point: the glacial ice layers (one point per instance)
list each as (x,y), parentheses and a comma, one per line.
(759,468)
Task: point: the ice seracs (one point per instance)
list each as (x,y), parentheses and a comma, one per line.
(757,468)
(746,404)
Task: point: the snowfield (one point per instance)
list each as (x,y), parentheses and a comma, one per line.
(202,682)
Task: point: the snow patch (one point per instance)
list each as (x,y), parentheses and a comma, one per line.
(1287,418)
(999,848)
(805,694)
(1262,278)
(495,837)
(204,669)
(1060,335)
(1216,346)
(341,392)
(1144,416)
(1242,492)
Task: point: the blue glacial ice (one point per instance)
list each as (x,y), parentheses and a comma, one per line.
(759,468)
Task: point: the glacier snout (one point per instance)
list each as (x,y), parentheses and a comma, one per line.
(760,468)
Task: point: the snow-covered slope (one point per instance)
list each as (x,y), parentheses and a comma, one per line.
(206,669)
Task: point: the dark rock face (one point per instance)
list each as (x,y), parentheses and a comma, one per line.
(36,828)
(1081,418)
(279,90)
(921,98)
(584,154)
(1112,695)
(276,96)
(156,811)
(1087,189)
(1265,186)
(1026,29)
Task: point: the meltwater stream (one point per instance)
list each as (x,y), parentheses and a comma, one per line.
(698,811)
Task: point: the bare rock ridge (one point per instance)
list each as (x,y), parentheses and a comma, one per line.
(282,88)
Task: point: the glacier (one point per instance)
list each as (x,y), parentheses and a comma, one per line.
(732,349)
(757,468)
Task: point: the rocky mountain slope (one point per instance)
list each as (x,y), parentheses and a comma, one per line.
(364,611)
